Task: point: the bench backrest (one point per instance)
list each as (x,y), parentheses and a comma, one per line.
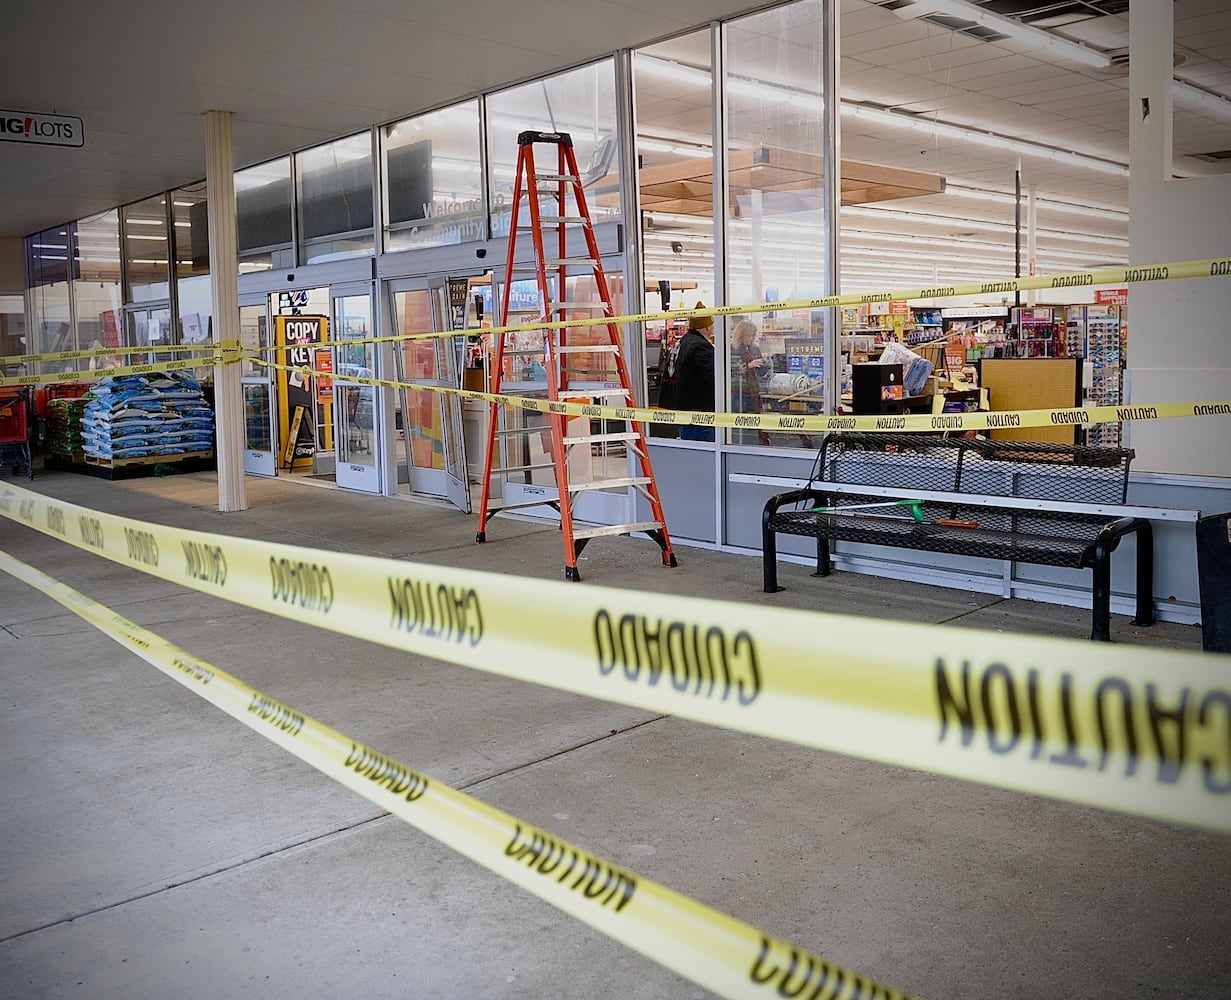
(1027,469)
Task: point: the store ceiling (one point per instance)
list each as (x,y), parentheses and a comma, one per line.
(140,74)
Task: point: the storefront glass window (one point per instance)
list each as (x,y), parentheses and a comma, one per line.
(97,286)
(194,296)
(673,84)
(775,215)
(264,233)
(335,199)
(434,179)
(147,250)
(13,333)
(49,260)
(580,102)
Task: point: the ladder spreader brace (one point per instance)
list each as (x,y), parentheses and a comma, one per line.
(572,373)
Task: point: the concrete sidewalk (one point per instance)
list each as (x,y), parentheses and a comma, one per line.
(153,847)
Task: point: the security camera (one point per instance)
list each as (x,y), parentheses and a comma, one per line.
(677,246)
(481,253)
(290,277)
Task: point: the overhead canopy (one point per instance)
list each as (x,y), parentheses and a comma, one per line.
(786,177)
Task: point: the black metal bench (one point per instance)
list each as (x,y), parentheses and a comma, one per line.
(1024,501)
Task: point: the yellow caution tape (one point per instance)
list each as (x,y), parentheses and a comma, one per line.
(802,423)
(106,352)
(1213,267)
(100,373)
(1142,731)
(725,955)
(1208,267)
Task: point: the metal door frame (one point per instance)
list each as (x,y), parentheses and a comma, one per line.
(348,474)
(257,462)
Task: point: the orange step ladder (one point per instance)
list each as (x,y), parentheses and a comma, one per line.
(592,469)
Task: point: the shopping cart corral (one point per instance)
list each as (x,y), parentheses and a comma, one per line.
(17,429)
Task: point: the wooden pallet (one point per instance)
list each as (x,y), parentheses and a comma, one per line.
(138,460)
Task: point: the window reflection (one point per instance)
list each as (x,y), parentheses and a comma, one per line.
(580,102)
(335,199)
(263,216)
(434,179)
(775,217)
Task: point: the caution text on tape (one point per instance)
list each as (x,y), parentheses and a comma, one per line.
(723,954)
(1137,730)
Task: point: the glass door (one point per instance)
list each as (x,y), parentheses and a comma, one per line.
(431,422)
(257,386)
(356,438)
(148,325)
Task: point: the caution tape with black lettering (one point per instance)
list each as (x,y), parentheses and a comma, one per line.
(109,352)
(95,374)
(936,423)
(722,954)
(1141,731)
(1210,267)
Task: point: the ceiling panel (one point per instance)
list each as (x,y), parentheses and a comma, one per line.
(300,72)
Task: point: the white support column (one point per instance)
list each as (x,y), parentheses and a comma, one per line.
(1150,40)
(224,281)
(1178,350)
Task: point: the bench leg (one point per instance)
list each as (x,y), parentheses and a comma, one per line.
(769,561)
(823,567)
(1145,575)
(1101,600)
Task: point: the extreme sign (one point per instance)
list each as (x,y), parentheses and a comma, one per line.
(45,130)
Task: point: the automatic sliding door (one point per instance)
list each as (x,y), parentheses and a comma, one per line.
(431,421)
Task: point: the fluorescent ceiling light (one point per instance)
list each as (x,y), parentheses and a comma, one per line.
(777,93)
(1025,147)
(1094,211)
(1035,38)
(675,148)
(669,70)
(1201,98)
(950,222)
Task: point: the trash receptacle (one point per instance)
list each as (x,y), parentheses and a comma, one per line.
(1214,578)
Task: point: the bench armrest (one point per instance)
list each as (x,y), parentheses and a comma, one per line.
(780,500)
(1113,531)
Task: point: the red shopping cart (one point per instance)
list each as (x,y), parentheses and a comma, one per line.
(17,429)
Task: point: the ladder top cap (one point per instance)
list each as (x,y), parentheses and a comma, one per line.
(528,137)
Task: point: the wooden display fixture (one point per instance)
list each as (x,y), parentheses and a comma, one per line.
(1033,384)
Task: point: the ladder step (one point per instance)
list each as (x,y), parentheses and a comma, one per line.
(587,349)
(569,439)
(576,305)
(614,529)
(571,178)
(606,392)
(523,468)
(570,262)
(497,508)
(556,220)
(608,484)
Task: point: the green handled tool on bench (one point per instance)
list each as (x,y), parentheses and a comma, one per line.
(914,506)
